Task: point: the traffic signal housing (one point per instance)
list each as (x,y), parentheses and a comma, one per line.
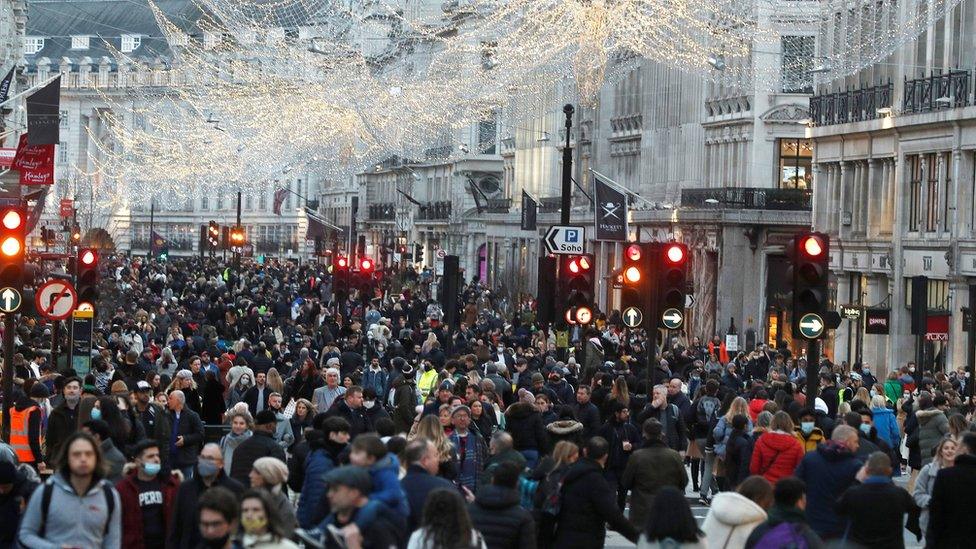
(672,283)
(213,236)
(577,280)
(13,233)
(635,280)
(87,278)
(76,235)
(810,255)
(366,267)
(238,237)
(340,279)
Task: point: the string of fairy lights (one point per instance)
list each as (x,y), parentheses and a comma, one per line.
(327,86)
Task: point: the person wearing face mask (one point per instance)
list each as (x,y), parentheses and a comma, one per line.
(372,406)
(217,520)
(147,494)
(63,420)
(807,432)
(261,524)
(184,530)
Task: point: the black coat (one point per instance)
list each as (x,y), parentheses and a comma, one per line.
(184,532)
(417,484)
(157,427)
(61,423)
(950,508)
(588,505)
(524,423)
(358,420)
(876,510)
(260,445)
(251,399)
(589,415)
(191,429)
(503,523)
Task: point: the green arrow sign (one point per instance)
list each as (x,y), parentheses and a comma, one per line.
(811,326)
(672,319)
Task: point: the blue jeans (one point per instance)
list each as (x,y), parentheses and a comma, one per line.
(531,458)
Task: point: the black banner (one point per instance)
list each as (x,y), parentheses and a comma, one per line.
(876,321)
(611,212)
(43,115)
(5,85)
(530,213)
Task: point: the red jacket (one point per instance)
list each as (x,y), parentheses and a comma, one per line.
(775,456)
(132,537)
(756,407)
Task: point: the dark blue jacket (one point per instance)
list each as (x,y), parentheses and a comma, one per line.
(828,471)
(318,463)
(417,484)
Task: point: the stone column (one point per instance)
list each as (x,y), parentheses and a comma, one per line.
(872,212)
(874,346)
(958,338)
(843,199)
(841,347)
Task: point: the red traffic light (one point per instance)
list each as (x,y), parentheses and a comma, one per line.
(12,219)
(342,263)
(675,253)
(366,264)
(88,257)
(812,246)
(634,252)
(632,275)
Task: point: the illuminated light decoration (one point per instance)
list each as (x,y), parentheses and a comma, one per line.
(634,252)
(632,275)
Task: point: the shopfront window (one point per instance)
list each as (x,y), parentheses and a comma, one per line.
(795,161)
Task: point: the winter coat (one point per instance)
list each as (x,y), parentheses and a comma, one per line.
(721,434)
(503,523)
(229,443)
(777,516)
(950,508)
(184,532)
(594,358)
(811,441)
(20,492)
(775,456)
(675,433)
(417,484)
(616,434)
(876,511)
(566,429)
(60,424)
(191,429)
(932,426)
(922,493)
(72,520)
(893,390)
(318,464)
(589,416)
(261,444)
(648,470)
(886,424)
(588,506)
(731,518)
(828,471)
(266,541)
(128,488)
(524,423)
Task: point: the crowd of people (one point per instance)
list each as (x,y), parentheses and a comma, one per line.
(245,407)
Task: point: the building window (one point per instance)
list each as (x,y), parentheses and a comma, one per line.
(915,193)
(131,42)
(204,203)
(62,153)
(795,163)
(33,44)
(487,131)
(64,119)
(80,42)
(798,55)
(220,202)
(263,202)
(938,294)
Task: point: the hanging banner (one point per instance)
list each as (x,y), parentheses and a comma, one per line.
(279,199)
(44,114)
(34,162)
(876,321)
(937,328)
(530,213)
(611,212)
(5,85)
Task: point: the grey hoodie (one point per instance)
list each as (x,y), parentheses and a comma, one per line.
(72,520)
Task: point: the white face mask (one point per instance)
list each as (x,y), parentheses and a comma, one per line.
(368,404)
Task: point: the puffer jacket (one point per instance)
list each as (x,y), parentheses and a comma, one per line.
(648,470)
(887,426)
(730,520)
(932,426)
(503,523)
(775,455)
(525,425)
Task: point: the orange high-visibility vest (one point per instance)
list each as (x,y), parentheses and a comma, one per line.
(19,440)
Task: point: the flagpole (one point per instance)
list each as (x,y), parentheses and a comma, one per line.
(620,187)
(31,89)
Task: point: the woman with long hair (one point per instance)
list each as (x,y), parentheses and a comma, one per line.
(302,418)
(670,523)
(957,426)
(270,474)
(446,524)
(777,452)
(945,456)
(240,430)
(619,392)
(261,524)
(274,381)
(483,418)
(863,396)
(430,428)
(548,473)
(167,363)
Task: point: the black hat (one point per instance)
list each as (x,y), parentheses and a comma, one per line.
(265,417)
(39,390)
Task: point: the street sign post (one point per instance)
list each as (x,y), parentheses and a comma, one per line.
(81,341)
(672,319)
(55,299)
(10,299)
(633,317)
(811,326)
(566,239)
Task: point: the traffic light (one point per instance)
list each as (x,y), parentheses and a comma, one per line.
(810,256)
(365,278)
(76,235)
(340,279)
(672,285)
(13,222)
(418,253)
(87,284)
(576,288)
(238,237)
(213,236)
(635,284)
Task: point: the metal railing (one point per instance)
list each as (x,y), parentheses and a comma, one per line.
(937,91)
(851,105)
(431,211)
(381,212)
(747,198)
(499,205)
(550,204)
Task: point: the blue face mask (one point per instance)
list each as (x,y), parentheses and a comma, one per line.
(866,428)
(96,413)
(151,469)
(806,427)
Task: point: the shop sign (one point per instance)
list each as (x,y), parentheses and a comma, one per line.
(877,321)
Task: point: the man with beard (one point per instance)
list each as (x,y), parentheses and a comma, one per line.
(63,420)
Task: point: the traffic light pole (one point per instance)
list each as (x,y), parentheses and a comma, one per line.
(9,325)
(813,370)
(567,190)
(237,253)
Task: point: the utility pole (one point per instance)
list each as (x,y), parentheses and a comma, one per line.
(152,218)
(237,254)
(567,191)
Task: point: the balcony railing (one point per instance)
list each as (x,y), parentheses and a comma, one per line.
(841,107)
(434,211)
(937,91)
(747,198)
(381,212)
(550,204)
(499,205)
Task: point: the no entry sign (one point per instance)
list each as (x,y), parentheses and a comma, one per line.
(56,299)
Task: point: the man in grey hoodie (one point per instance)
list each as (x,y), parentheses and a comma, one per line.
(53,520)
